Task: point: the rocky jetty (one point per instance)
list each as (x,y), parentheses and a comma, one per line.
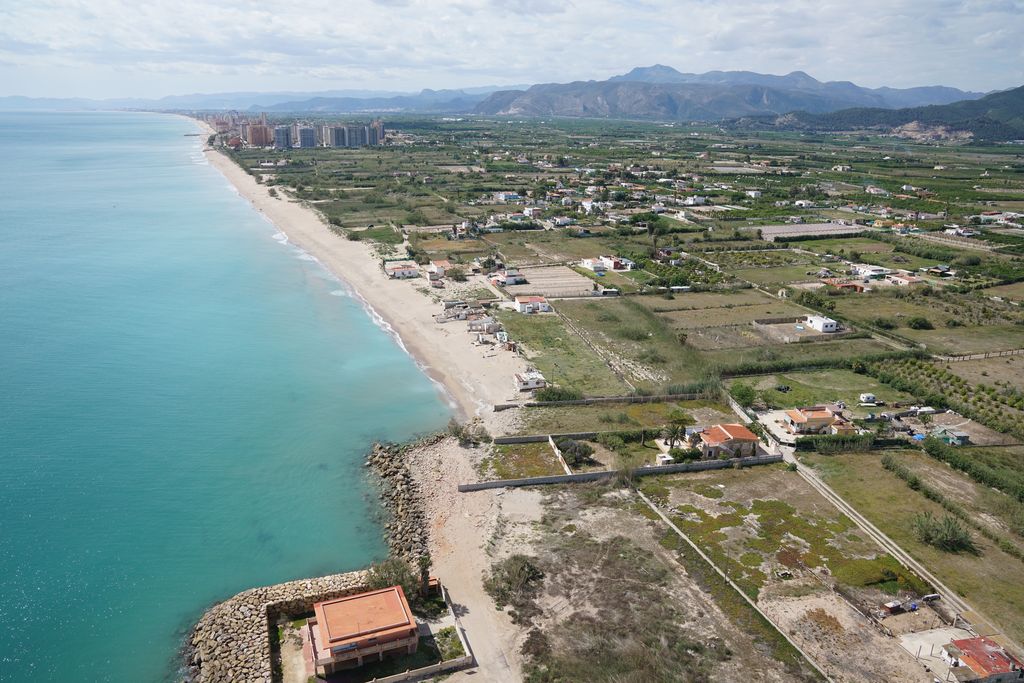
(406,530)
(232,641)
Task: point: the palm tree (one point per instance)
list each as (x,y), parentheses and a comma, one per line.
(672,433)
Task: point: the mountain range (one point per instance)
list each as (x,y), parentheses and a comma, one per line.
(662,93)
(655,93)
(995,117)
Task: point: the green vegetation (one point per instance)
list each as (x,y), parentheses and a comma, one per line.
(448,643)
(991,579)
(513,582)
(561,355)
(519,461)
(948,533)
(1000,408)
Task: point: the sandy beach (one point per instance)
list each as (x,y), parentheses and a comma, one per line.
(474,377)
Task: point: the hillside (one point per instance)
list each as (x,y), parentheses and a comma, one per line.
(995,117)
(800,81)
(662,93)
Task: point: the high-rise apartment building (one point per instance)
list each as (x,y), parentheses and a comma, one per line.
(260,135)
(283,137)
(307,136)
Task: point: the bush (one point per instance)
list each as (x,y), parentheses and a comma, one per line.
(884,323)
(558,394)
(828,444)
(744,394)
(513,580)
(948,534)
(919,323)
(575,452)
(395,572)
(456,274)
(468,434)
(353,236)
(684,454)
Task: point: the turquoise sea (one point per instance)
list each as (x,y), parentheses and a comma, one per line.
(185,399)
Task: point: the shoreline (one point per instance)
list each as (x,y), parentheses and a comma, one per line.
(470,381)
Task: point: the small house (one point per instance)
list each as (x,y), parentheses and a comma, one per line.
(811,420)
(353,630)
(509,276)
(728,440)
(595,264)
(869,399)
(401,270)
(822,324)
(981,660)
(529,380)
(532,304)
(437,269)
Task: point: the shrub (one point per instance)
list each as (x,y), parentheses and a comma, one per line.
(468,434)
(744,394)
(558,394)
(456,274)
(948,534)
(395,572)
(919,323)
(884,323)
(684,454)
(575,452)
(513,580)
(353,236)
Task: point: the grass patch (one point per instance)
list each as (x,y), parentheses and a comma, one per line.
(992,580)
(561,355)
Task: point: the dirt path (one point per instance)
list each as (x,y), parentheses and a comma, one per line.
(461,525)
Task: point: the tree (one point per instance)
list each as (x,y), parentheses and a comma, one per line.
(425,562)
(456,274)
(744,394)
(393,572)
(673,433)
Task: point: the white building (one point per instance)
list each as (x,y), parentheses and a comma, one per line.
(695,200)
(401,270)
(617,263)
(437,269)
(532,304)
(509,276)
(753,194)
(822,324)
(868,398)
(529,380)
(868,271)
(595,264)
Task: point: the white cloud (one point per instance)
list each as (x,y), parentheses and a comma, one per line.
(126,47)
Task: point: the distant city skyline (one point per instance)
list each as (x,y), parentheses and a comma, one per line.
(116,48)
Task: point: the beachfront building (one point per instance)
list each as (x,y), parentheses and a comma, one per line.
(529,380)
(725,440)
(401,270)
(351,631)
(437,269)
(532,304)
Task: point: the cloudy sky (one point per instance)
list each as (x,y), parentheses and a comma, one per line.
(148,48)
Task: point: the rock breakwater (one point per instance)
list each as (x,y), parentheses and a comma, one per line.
(232,641)
(406,530)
